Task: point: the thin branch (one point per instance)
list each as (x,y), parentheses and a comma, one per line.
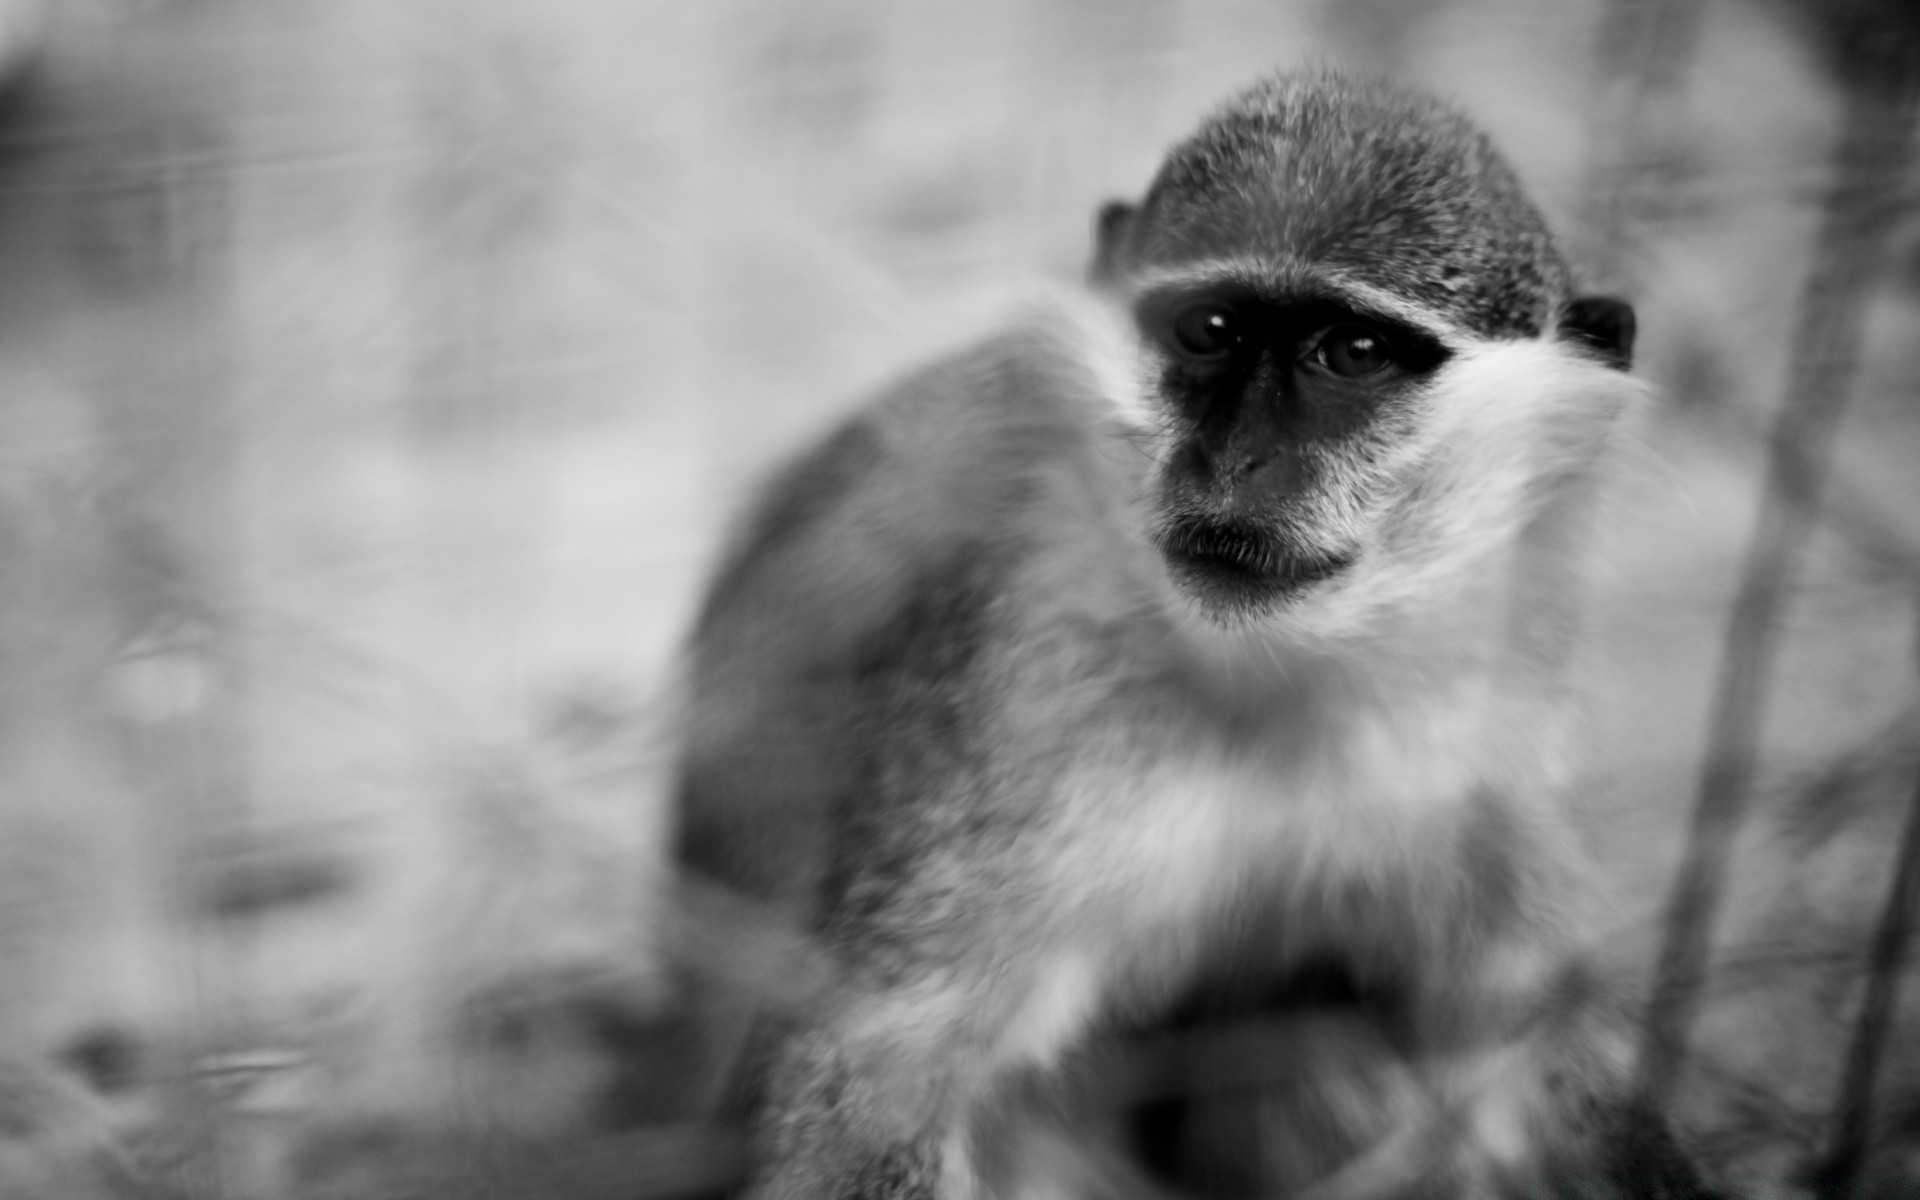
(1858,212)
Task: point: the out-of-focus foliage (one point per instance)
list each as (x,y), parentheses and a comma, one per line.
(376,377)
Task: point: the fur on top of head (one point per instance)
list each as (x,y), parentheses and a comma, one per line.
(1391,187)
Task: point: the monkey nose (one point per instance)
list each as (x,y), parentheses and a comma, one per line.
(1232,461)
(1246,466)
(1275,477)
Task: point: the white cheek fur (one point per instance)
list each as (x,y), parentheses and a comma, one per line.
(1499,436)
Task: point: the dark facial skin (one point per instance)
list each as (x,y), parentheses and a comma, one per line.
(1276,399)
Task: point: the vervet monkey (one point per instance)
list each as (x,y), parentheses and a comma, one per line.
(1208,627)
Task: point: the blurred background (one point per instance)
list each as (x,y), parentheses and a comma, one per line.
(377,378)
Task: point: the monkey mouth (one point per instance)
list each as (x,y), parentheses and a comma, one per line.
(1242,564)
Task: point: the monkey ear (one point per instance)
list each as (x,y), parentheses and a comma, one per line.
(1604,325)
(1109,237)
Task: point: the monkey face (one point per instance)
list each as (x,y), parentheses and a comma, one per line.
(1363,355)
(1327,450)
(1282,410)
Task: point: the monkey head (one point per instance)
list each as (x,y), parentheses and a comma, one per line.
(1361,352)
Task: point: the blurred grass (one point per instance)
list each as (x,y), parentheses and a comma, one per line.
(376,378)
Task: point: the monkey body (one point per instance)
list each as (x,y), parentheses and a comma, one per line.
(1043,693)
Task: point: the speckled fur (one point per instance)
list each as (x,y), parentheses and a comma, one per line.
(1392,186)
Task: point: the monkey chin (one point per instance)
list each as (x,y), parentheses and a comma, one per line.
(1235,571)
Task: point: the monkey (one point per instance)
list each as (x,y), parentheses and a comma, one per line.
(1204,628)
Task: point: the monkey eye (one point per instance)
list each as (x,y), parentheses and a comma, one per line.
(1352,351)
(1207,330)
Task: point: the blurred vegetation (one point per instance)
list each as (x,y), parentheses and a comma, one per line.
(376,377)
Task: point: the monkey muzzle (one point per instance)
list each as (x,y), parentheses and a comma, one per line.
(1243,564)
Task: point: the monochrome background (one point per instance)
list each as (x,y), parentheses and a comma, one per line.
(377,378)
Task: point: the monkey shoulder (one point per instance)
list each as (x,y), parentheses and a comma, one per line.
(981,460)
(840,665)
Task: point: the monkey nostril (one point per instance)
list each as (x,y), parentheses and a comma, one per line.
(108,1059)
